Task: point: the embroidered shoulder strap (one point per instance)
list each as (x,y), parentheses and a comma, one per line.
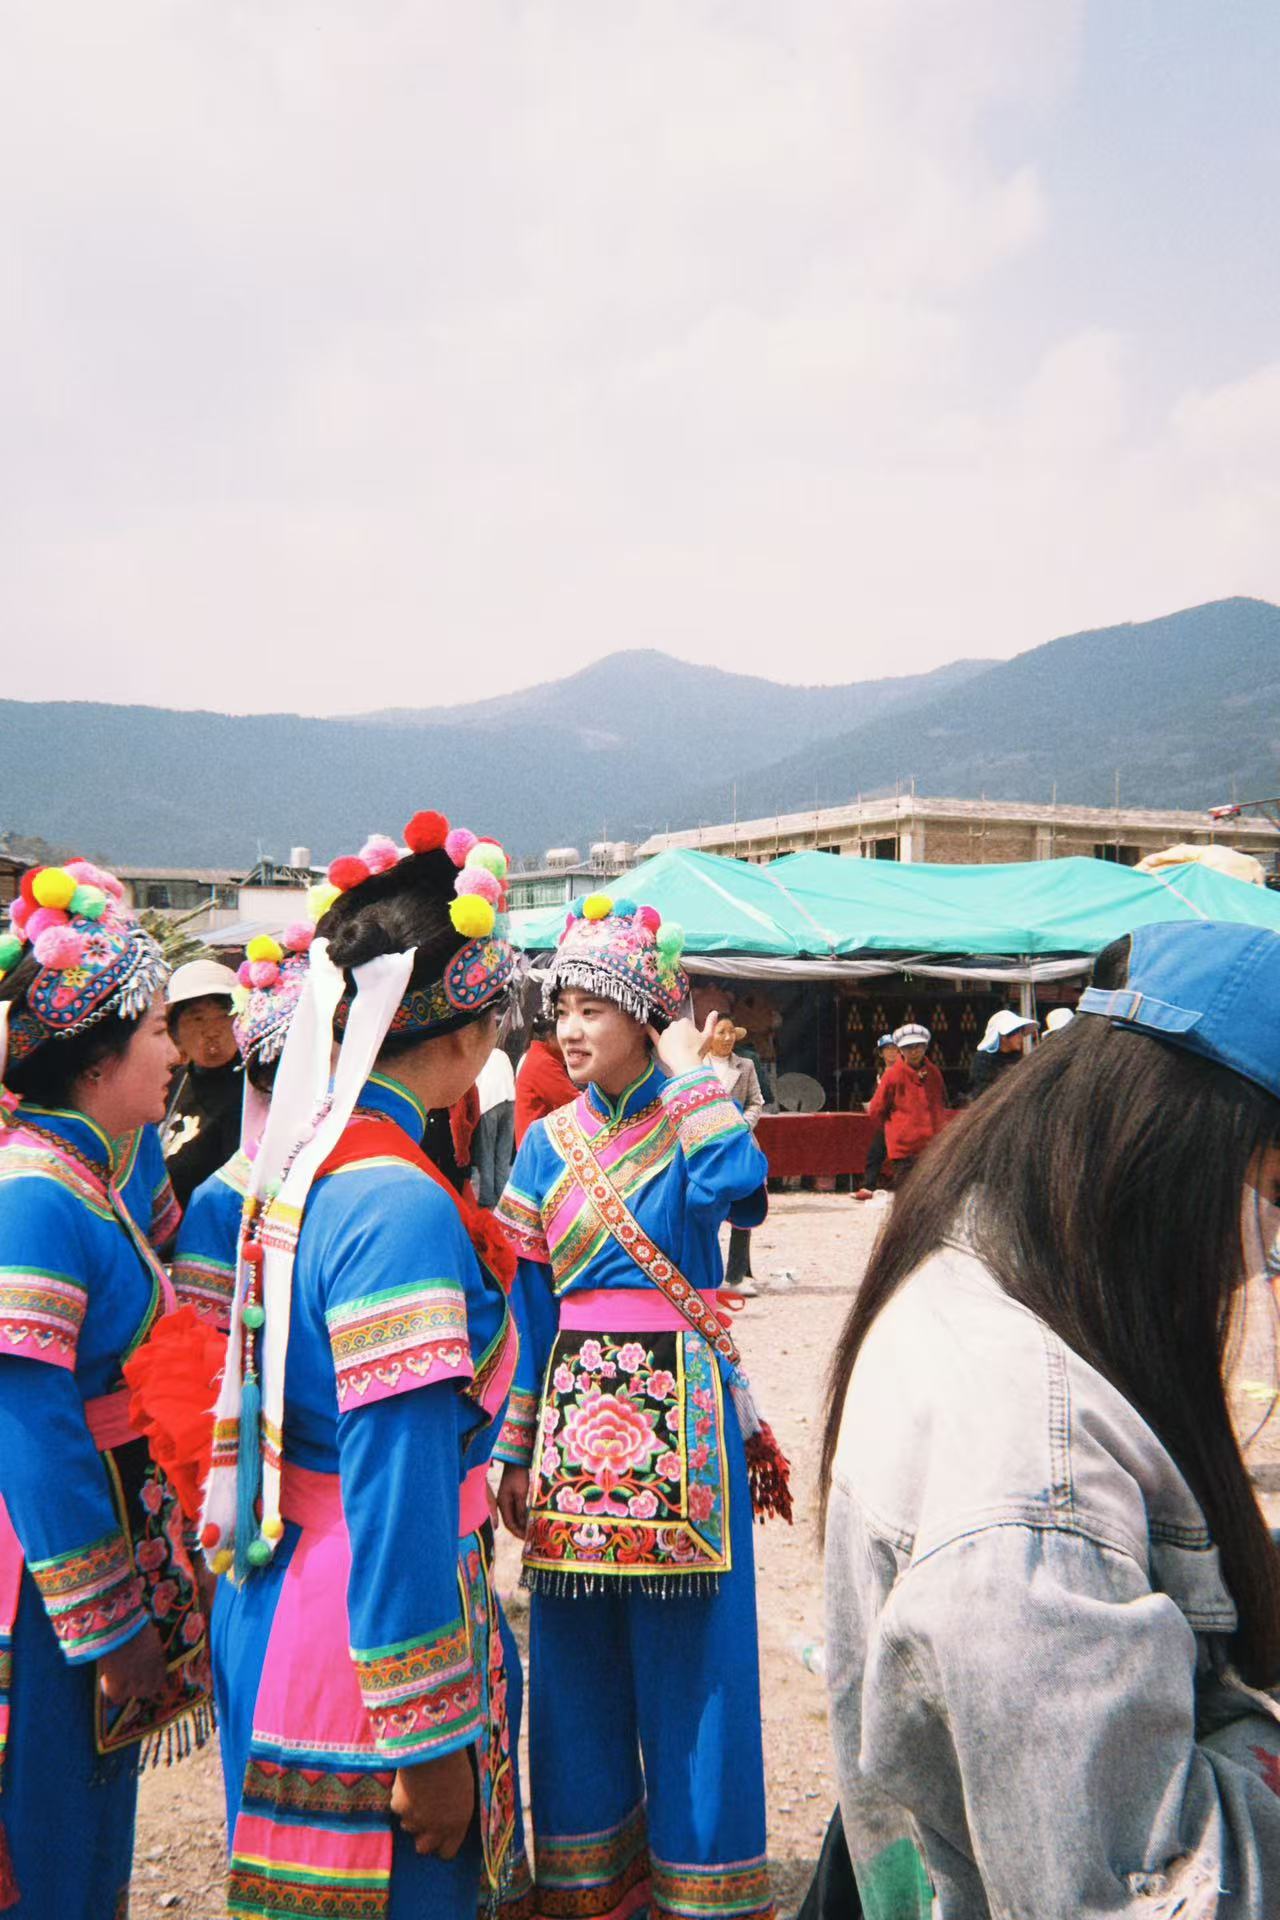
(768,1470)
(619,1221)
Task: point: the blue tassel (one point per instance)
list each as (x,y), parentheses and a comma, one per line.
(248,1472)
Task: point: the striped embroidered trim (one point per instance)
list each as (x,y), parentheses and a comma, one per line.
(395,1340)
(273,1890)
(422,1697)
(701,1109)
(41,1314)
(166,1214)
(207,1285)
(519,1429)
(521,1221)
(347,1798)
(93,1597)
(740,1891)
(18,1160)
(592,1876)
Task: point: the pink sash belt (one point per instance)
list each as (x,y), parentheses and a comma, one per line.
(108,1420)
(314,1500)
(623,1310)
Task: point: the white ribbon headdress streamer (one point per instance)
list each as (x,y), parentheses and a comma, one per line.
(304,1124)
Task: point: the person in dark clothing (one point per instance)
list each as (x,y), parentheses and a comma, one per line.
(202,1127)
(1000,1048)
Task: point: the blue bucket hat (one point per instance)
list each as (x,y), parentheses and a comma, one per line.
(1209,986)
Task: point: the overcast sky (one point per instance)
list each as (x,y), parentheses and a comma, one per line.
(370,354)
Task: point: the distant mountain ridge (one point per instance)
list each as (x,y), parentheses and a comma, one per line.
(1186,707)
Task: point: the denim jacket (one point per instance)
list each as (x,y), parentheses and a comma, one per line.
(1032,1705)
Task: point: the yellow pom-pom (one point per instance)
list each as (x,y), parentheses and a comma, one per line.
(223,1562)
(273,1529)
(597,906)
(320,899)
(55,887)
(263,947)
(472,916)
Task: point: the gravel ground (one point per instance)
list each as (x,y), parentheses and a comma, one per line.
(808,1259)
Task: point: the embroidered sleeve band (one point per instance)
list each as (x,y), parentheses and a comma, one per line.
(701,1109)
(40,1315)
(207,1285)
(422,1697)
(521,1221)
(398,1339)
(93,1597)
(515,1442)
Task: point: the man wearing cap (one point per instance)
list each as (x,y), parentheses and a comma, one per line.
(1000,1048)
(910,1103)
(202,1127)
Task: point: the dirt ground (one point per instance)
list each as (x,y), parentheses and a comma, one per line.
(808,1258)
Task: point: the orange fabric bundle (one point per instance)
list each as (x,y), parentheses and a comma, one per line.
(173,1381)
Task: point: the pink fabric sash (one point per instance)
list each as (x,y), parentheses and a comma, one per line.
(624,1310)
(314,1500)
(108,1420)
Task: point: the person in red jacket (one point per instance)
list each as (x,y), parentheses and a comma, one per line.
(542,1084)
(910,1103)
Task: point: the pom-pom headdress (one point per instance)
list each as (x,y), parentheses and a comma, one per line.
(93,957)
(624,953)
(269,986)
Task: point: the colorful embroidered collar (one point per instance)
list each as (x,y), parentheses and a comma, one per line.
(81,1135)
(641,1093)
(382,1094)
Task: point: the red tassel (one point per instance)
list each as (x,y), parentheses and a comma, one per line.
(769,1475)
(10,1892)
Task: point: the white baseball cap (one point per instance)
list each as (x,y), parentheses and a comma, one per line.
(199,979)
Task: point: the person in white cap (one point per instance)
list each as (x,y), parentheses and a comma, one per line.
(1060,1017)
(910,1103)
(1000,1047)
(202,1126)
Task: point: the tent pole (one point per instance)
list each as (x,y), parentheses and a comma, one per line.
(1027,994)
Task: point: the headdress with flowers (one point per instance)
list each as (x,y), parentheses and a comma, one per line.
(268,987)
(623,952)
(93,957)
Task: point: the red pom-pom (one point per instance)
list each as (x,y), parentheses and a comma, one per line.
(347,872)
(173,1387)
(210,1536)
(27,886)
(425,832)
(651,918)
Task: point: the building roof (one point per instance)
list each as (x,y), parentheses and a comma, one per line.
(204,876)
(900,809)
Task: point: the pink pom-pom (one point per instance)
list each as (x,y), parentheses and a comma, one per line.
(426,831)
(297,937)
(651,918)
(90,875)
(379,852)
(43,918)
(478,880)
(263,973)
(59,947)
(347,872)
(244,973)
(459,844)
(19,914)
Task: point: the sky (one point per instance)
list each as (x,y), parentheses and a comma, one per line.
(400,353)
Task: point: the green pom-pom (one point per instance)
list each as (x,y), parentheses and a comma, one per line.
(258,1553)
(89,902)
(253,1315)
(10,951)
(670,938)
(489,855)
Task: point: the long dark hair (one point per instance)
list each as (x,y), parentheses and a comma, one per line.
(49,1075)
(1102,1184)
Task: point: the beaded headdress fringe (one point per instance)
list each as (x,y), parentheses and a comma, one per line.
(596,980)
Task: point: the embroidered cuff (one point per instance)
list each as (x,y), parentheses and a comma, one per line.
(207,1285)
(521,1220)
(519,1430)
(41,1314)
(422,1697)
(398,1339)
(166,1214)
(93,1597)
(701,1109)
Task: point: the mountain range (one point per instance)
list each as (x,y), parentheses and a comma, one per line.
(1185,709)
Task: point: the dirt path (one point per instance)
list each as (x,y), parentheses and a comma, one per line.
(809,1258)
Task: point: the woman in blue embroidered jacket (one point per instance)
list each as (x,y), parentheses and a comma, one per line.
(88,1554)
(360,1649)
(626,1467)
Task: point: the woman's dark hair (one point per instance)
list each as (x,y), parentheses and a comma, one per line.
(407,906)
(49,1075)
(1102,1184)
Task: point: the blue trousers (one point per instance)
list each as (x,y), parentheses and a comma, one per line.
(645,1754)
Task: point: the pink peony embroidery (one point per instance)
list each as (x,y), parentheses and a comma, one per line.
(702,1502)
(643,1506)
(609,1437)
(590,1358)
(569,1500)
(661,1384)
(550,1419)
(152,1496)
(669,1466)
(631,1357)
(163,1598)
(699,1457)
(562,1379)
(151,1555)
(550,1465)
